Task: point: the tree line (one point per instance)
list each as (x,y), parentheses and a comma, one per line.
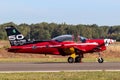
(46,31)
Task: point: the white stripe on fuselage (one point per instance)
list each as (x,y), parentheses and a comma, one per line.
(50,46)
(81,44)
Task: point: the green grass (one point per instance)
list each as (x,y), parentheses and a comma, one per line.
(15,60)
(61,76)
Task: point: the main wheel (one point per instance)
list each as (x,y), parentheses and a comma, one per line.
(78,59)
(70,60)
(100,60)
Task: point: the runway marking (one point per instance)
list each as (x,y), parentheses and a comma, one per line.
(60,71)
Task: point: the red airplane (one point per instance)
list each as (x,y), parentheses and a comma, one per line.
(62,45)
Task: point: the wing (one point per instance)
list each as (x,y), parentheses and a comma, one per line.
(82,46)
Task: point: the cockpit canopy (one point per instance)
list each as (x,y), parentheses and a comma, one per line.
(62,38)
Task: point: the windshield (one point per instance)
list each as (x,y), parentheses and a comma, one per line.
(82,39)
(68,38)
(63,38)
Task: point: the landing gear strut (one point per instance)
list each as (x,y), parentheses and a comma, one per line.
(100,59)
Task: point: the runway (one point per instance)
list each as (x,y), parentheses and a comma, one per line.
(52,67)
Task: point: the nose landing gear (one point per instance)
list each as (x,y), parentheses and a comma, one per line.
(100,59)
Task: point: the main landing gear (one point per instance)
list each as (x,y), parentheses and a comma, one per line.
(100,59)
(73,58)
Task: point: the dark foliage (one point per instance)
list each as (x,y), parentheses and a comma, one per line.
(46,31)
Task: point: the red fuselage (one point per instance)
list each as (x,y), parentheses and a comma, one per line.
(59,48)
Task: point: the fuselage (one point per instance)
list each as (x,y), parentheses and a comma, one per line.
(57,48)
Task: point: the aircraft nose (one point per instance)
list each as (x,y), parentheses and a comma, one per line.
(109,41)
(112,41)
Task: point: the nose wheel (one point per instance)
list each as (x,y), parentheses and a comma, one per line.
(100,60)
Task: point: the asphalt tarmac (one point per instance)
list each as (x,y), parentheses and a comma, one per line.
(52,67)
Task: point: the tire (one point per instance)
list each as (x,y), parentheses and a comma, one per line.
(100,60)
(70,60)
(78,59)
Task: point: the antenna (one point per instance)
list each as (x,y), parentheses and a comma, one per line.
(29,34)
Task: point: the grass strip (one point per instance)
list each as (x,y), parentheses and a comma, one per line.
(103,75)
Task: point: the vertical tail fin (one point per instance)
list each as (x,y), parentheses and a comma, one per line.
(14,36)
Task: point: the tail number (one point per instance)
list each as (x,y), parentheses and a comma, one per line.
(18,37)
